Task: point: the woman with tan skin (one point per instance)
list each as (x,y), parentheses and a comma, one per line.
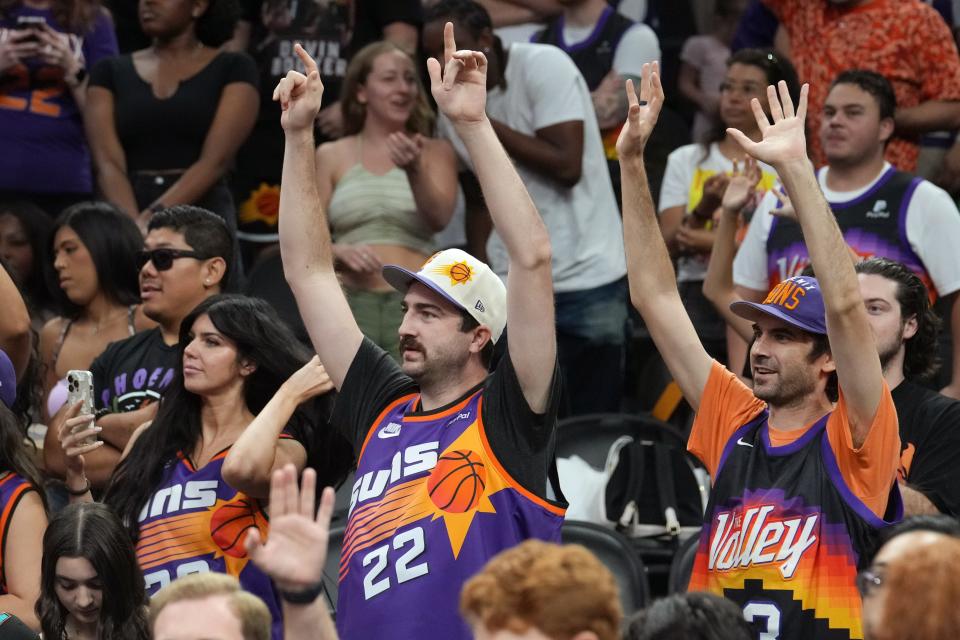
(165,122)
(93,277)
(387,186)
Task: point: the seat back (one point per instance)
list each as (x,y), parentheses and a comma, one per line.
(590,436)
(617,554)
(682,566)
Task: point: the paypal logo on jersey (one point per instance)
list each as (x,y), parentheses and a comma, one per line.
(392,430)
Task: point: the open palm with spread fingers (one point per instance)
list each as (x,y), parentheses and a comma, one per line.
(461,89)
(295,551)
(783,141)
(299,95)
(642,112)
(742,185)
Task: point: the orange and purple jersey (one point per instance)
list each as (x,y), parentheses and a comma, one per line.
(194,523)
(12,488)
(431,504)
(791,513)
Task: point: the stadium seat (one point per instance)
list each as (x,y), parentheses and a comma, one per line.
(682,565)
(590,436)
(617,554)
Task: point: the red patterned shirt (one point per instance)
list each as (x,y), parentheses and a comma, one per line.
(905,40)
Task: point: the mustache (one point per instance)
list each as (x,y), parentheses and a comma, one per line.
(409,342)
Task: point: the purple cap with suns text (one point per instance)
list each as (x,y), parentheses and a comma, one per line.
(797,301)
(8,380)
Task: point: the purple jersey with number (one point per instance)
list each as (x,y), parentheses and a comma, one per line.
(12,488)
(195,522)
(41,128)
(430,505)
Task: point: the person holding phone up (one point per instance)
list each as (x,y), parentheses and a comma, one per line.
(46,47)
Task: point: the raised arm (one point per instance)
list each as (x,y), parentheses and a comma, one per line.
(460,92)
(852,342)
(718,285)
(259,451)
(653,283)
(304,231)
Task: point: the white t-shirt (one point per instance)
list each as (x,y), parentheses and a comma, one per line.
(687,171)
(932,226)
(639,44)
(544,88)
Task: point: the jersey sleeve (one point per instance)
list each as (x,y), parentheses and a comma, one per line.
(726,405)
(521,439)
(101,42)
(933,232)
(871,470)
(372,382)
(934,462)
(750,263)
(638,45)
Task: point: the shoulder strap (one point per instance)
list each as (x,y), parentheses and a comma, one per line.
(59,344)
(666,487)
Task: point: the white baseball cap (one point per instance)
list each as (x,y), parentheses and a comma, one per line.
(466,282)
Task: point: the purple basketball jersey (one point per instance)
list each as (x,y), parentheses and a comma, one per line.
(194,523)
(12,489)
(430,505)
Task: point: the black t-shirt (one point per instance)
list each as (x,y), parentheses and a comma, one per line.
(167,134)
(930,443)
(133,372)
(523,441)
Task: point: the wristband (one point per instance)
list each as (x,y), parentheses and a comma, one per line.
(307,596)
(79,492)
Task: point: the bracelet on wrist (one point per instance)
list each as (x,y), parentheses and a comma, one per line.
(79,492)
(307,596)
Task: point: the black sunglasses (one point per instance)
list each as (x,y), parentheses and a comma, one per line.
(162,259)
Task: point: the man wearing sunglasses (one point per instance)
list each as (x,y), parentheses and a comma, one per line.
(185,260)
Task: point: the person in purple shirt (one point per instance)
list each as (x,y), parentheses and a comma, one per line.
(46,47)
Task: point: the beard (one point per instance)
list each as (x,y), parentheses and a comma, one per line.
(437,367)
(789,388)
(890,350)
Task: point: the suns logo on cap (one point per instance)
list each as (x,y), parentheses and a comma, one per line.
(458,272)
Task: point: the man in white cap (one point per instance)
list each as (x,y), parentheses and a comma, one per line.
(452,460)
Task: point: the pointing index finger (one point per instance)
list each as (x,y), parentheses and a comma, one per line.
(449,43)
(308,62)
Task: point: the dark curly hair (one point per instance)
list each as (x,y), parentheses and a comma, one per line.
(90,530)
(690,616)
(216,24)
(920,362)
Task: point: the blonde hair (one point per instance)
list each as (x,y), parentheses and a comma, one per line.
(355,113)
(253,614)
(559,590)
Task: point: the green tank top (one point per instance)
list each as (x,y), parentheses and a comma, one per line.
(369,209)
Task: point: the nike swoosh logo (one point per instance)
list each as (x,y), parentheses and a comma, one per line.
(744,444)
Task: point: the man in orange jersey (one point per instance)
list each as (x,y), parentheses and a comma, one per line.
(802,478)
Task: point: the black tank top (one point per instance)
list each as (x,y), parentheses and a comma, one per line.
(593,56)
(784,536)
(874,224)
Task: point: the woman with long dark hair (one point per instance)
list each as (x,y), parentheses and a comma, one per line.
(24,236)
(22,511)
(386,185)
(172,490)
(165,122)
(697,175)
(91,586)
(93,278)
(46,49)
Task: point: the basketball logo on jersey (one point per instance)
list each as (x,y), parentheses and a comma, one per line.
(457,482)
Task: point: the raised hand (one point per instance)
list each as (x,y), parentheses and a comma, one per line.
(308,381)
(299,95)
(783,141)
(642,113)
(742,185)
(784,207)
(295,552)
(461,89)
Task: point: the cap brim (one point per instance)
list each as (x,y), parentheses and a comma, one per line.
(753,310)
(401,279)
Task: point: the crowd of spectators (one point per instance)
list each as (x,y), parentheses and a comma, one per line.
(171,169)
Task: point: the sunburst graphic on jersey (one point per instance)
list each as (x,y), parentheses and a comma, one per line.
(458,272)
(227,521)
